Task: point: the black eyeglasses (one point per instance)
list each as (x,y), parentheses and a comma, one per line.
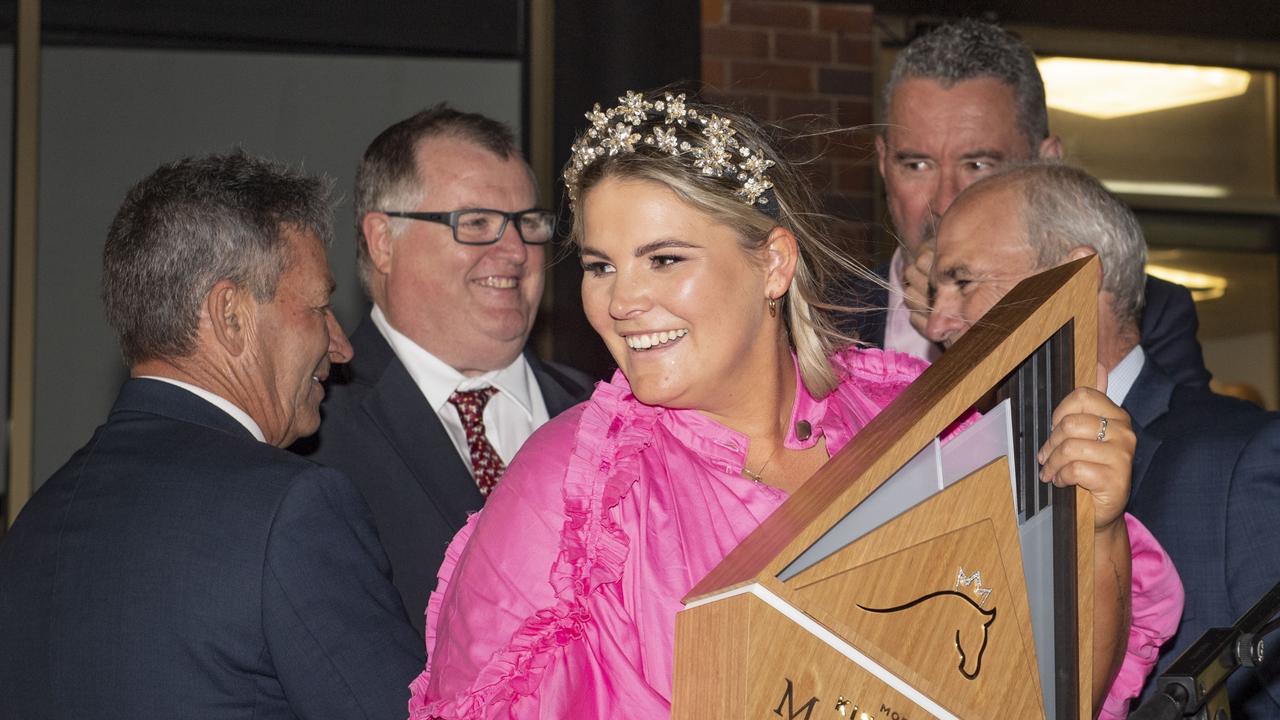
(481,226)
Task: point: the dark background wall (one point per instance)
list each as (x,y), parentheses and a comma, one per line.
(366,64)
(603,49)
(126,86)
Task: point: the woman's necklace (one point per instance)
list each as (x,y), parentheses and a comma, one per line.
(758,475)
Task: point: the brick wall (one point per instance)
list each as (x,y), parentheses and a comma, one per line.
(807,66)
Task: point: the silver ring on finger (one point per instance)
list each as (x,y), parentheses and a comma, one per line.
(1102,431)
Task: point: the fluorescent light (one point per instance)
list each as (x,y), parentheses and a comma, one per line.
(1106,89)
(1135,187)
(1202,286)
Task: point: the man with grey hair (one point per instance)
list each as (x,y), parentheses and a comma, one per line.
(960,102)
(442,392)
(1206,481)
(181,564)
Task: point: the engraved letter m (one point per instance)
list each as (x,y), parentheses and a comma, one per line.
(792,713)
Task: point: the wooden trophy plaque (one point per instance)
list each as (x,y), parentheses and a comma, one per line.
(834,608)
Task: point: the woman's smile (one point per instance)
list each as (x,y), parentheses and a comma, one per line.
(646,341)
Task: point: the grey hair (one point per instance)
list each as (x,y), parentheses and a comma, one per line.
(1066,208)
(191,224)
(387,177)
(822,266)
(970,49)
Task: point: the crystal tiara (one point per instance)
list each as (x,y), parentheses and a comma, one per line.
(637,121)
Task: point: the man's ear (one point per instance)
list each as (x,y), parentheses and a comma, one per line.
(780,255)
(1051,148)
(378,240)
(1084,251)
(230,310)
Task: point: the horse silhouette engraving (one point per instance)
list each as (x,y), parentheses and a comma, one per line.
(966,635)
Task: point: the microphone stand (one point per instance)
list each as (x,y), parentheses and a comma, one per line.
(1195,685)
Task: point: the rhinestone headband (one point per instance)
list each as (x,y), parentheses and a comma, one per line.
(714,149)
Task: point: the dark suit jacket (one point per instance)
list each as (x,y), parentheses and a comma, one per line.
(177,567)
(1169,324)
(871,302)
(379,430)
(1206,482)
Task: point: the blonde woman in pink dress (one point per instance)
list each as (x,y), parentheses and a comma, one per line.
(705,270)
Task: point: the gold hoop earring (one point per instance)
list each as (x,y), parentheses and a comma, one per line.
(773,307)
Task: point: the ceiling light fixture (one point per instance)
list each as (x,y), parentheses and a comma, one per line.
(1106,89)
(1202,285)
(1135,187)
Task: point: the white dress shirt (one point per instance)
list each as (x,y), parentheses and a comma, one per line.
(1122,377)
(218,401)
(510,416)
(898,333)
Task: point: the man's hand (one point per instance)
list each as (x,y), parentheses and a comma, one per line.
(1098,456)
(917,295)
(1091,446)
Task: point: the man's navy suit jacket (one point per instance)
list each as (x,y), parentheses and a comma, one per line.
(1206,482)
(380,431)
(1169,323)
(177,567)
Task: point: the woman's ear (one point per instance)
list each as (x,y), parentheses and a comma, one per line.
(781,253)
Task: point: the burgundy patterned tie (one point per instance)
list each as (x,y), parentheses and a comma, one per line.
(486,466)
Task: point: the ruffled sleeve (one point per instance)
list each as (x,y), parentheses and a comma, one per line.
(871,379)
(1157,607)
(493,591)
(882,373)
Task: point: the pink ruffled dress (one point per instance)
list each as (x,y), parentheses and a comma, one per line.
(559,599)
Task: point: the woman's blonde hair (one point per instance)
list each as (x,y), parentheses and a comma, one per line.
(791,203)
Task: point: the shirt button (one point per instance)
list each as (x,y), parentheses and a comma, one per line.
(803,430)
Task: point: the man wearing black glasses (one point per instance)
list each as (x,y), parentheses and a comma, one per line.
(442,392)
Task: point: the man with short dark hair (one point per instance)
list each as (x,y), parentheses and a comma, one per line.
(1206,470)
(960,102)
(181,564)
(452,249)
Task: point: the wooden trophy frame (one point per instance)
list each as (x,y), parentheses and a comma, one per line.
(867,631)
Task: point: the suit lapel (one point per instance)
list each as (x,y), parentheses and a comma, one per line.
(394,403)
(1146,403)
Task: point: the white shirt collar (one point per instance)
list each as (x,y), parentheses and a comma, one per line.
(1121,378)
(218,401)
(438,380)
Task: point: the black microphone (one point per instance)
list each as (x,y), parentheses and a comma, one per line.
(1168,704)
(1195,685)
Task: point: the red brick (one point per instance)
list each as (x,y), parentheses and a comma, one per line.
(735,42)
(808,47)
(856,208)
(855,19)
(819,174)
(713,73)
(853,145)
(713,12)
(772,76)
(797,147)
(854,178)
(771,14)
(853,113)
(790,107)
(844,82)
(757,106)
(854,50)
